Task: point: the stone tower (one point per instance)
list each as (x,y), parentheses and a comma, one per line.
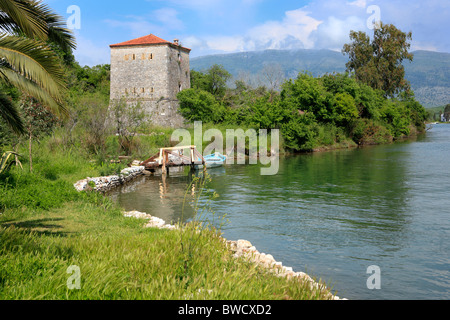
(151,71)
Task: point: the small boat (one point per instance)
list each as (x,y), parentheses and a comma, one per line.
(215,160)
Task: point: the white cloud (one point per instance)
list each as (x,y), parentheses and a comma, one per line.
(158,22)
(358,3)
(195,4)
(168,17)
(138,26)
(334,32)
(229,25)
(423,46)
(90,53)
(194,42)
(293,32)
(226,44)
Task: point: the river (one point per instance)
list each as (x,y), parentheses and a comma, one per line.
(334,214)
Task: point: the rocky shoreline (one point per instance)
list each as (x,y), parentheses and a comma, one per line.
(104,184)
(242,249)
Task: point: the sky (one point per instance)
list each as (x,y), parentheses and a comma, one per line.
(227,26)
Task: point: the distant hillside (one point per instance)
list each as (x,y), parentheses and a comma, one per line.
(429,73)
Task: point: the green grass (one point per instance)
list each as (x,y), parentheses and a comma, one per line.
(119,259)
(46,227)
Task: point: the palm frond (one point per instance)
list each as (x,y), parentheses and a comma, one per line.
(34,90)
(9,113)
(35,61)
(26,61)
(58,33)
(22,15)
(55,24)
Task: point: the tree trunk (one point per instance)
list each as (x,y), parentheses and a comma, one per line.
(30,150)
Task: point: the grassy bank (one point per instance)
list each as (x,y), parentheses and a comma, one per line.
(46,227)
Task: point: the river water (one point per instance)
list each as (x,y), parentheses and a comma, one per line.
(335,214)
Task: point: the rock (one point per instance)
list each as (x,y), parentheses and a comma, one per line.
(81,185)
(243,244)
(106,183)
(278,265)
(136,163)
(288,269)
(137,215)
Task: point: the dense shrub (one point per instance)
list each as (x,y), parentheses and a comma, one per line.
(200,105)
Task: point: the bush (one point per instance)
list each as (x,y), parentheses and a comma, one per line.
(346,111)
(199,105)
(397,118)
(367,131)
(300,133)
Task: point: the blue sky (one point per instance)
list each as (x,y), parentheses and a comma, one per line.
(225,26)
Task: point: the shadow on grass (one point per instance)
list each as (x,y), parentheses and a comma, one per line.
(46,227)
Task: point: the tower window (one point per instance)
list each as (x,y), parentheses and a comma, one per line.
(150,57)
(142,90)
(134,56)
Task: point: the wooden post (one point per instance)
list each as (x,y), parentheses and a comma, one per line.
(163,169)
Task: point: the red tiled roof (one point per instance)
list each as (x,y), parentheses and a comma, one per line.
(146,40)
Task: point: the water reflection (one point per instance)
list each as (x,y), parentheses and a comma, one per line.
(159,196)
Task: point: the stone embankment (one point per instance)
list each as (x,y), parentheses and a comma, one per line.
(104,184)
(153,222)
(244,249)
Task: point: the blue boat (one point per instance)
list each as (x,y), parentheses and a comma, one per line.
(215,160)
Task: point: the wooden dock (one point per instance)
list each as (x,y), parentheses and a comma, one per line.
(175,157)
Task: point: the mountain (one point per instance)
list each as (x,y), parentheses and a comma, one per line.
(429,73)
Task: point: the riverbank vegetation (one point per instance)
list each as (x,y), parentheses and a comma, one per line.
(46,226)
(370,104)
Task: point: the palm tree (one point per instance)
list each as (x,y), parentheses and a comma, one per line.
(26,60)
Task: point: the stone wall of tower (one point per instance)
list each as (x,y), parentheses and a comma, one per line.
(152,75)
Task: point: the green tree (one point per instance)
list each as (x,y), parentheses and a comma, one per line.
(307,94)
(217,79)
(199,80)
(447,109)
(214,80)
(200,105)
(346,110)
(26,60)
(128,119)
(378,63)
(38,122)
